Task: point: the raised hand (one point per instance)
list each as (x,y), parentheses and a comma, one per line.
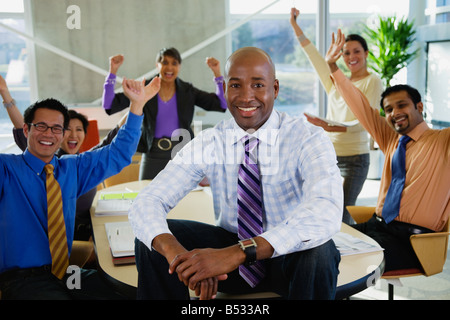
(139,93)
(3,88)
(294,14)
(214,65)
(335,50)
(115,62)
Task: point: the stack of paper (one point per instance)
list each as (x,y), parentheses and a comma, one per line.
(114,203)
(348,244)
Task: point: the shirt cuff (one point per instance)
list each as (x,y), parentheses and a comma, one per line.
(134,121)
(111,79)
(219,79)
(338,75)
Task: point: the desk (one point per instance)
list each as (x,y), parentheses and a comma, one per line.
(124,277)
(355,272)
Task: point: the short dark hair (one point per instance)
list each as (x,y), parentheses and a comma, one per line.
(50,103)
(171,52)
(76,115)
(412,92)
(357,37)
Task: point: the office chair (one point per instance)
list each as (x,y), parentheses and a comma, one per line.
(430,248)
(92,136)
(128,174)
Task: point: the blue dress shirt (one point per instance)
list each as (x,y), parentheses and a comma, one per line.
(301,183)
(23,200)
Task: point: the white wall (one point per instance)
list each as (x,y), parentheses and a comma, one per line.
(136,28)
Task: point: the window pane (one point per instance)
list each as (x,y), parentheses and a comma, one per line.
(14,6)
(443,17)
(442,3)
(437,106)
(14,69)
(273,33)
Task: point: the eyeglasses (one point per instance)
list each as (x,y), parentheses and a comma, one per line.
(42,127)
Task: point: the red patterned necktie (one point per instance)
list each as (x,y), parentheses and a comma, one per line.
(250,210)
(56,226)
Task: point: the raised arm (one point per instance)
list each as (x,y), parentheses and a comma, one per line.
(214,65)
(115,62)
(314,56)
(304,41)
(14,113)
(109,101)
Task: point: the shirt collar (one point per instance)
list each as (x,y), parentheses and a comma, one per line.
(418,131)
(268,133)
(36,164)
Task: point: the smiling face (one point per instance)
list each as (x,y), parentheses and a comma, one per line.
(355,57)
(74,137)
(43,145)
(401,113)
(250,87)
(168,67)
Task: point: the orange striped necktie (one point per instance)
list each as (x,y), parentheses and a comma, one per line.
(56,227)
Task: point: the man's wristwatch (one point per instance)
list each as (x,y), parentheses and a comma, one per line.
(249,248)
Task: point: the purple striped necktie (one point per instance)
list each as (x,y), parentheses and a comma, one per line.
(250,207)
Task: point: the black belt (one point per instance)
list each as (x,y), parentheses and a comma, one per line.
(24,273)
(411,228)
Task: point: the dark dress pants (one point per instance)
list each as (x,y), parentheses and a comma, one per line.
(310,274)
(394,238)
(40,284)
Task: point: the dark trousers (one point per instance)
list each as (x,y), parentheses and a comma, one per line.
(154,161)
(394,238)
(41,284)
(354,170)
(310,274)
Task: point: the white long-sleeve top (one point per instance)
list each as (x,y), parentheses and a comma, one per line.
(356,140)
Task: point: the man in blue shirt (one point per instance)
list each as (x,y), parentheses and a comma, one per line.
(301,194)
(25,258)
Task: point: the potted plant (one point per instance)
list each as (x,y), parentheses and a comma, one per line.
(391,41)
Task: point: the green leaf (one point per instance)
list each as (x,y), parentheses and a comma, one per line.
(390,45)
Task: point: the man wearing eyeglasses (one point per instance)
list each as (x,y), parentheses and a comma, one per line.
(42,142)
(25,249)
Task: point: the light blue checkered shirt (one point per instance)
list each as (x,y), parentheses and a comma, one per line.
(301,183)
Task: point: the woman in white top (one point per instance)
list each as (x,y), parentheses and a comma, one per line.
(351,143)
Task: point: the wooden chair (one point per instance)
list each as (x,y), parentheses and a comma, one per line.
(128,174)
(430,248)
